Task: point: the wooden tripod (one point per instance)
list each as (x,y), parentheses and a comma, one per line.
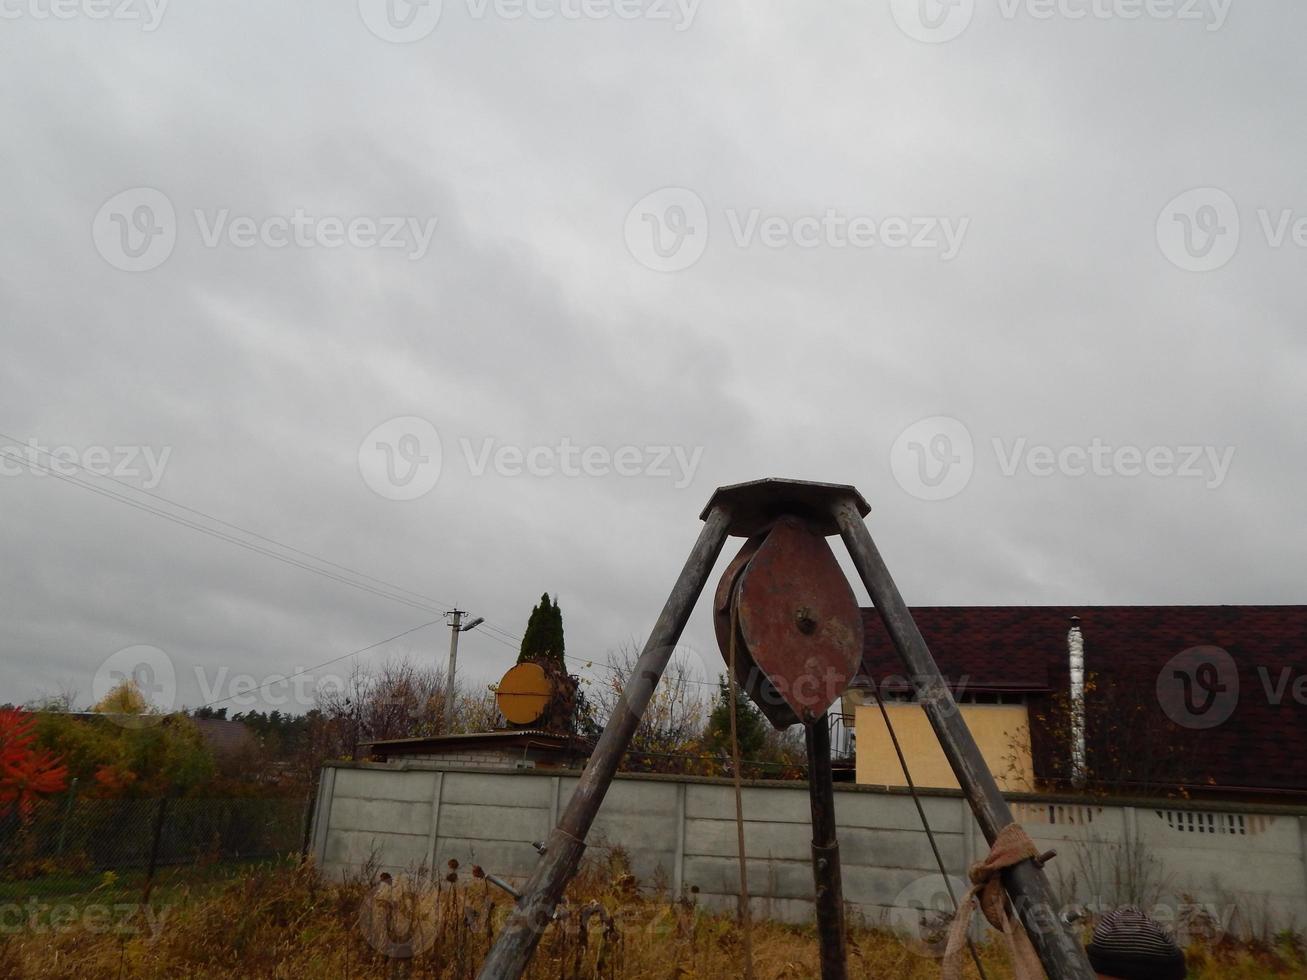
(743,510)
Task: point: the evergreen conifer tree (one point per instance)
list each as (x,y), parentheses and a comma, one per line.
(543,639)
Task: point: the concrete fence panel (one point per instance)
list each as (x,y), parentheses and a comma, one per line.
(1244,866)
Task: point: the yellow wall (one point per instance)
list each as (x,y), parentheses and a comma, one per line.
(1001,730)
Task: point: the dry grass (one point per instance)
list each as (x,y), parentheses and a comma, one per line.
(284,923)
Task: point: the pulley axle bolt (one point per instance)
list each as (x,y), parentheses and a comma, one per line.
(803,619)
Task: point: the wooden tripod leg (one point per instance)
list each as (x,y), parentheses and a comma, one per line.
(509,957)
(825,851)
(1027,887)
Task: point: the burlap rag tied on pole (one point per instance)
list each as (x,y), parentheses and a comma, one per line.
(1011,846)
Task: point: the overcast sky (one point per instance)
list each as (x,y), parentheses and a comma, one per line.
(486,305)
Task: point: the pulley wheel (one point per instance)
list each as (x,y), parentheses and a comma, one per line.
(799,636)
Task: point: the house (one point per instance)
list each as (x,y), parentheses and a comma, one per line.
(1190,700)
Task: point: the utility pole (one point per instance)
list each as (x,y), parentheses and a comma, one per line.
(456,626)
(455,619)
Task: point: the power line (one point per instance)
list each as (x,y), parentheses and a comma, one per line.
(608,665)
(234,527)
(426,603)
(325,663)
(497,634)
(423,602)
(502,642)
(215,533)
(418,601)
(503,632)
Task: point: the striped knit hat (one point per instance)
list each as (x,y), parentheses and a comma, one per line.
(1129,945)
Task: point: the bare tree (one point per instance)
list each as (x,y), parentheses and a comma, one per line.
(398,699)
(63,699)
(402,700)
(677,712)
(1133,747)
(474,710)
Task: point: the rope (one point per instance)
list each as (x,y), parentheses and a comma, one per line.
(930,834)
(1011,846)
(746,914)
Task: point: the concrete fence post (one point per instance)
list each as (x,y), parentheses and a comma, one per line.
(678,862)
(554,801)
(434,834)
(1302,833)
(306,824)
(322,815)
(968,838)
(1132,852)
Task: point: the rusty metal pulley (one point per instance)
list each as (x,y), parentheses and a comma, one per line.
(798,626)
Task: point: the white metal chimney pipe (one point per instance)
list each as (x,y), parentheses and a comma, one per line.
(1075,642)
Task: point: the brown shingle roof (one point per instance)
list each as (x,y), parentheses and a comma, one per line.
(1261,746)
(990,648)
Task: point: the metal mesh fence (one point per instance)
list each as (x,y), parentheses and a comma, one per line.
(74,844)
